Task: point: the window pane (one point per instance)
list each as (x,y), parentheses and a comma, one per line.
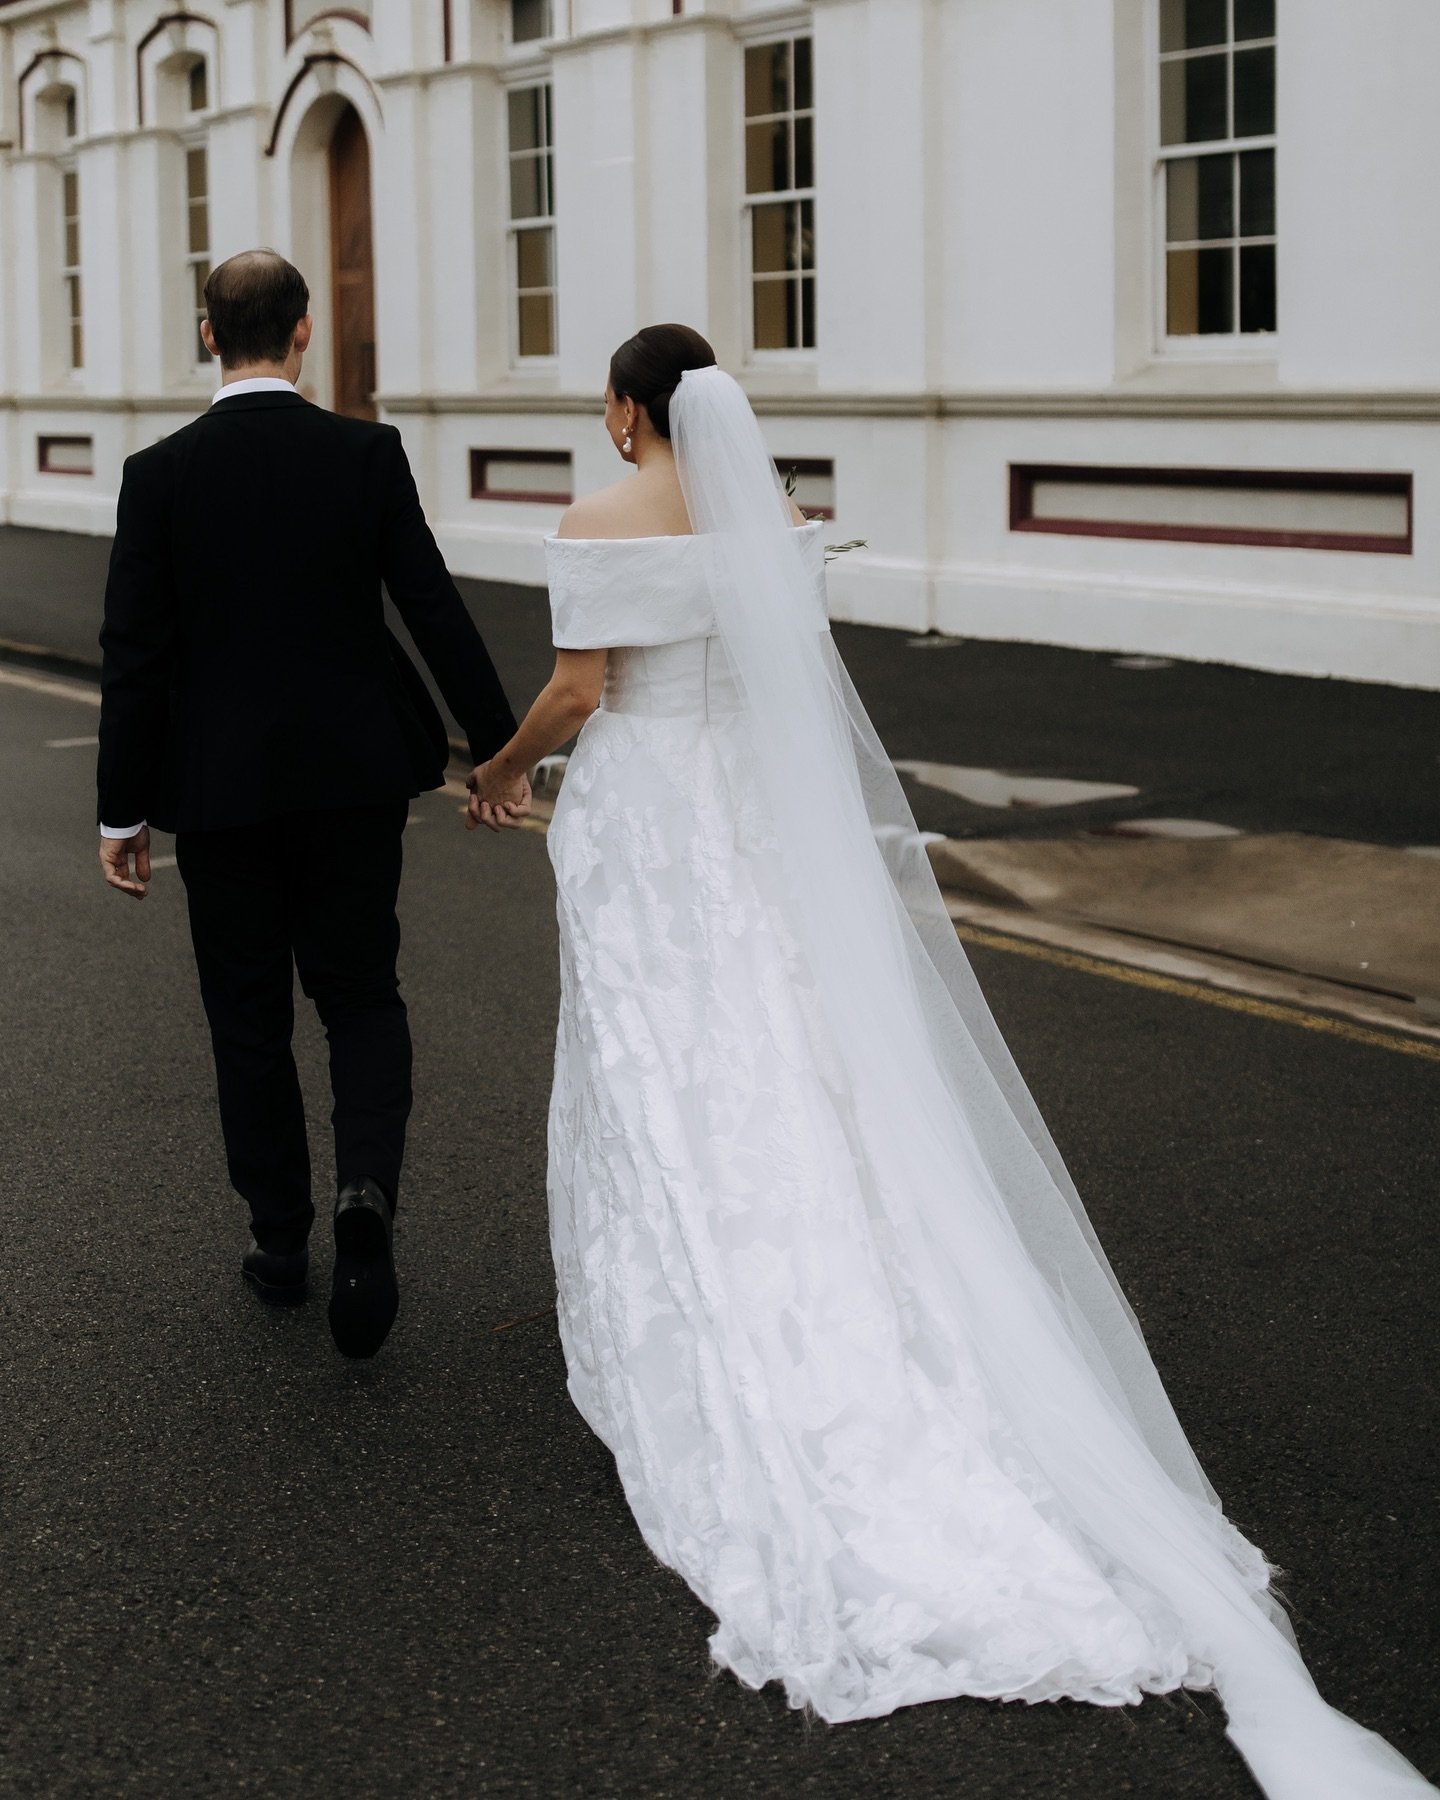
(199,87)
(792,314)
(1198,292)
(1257,193)
(804,83)
(72,243)
(202,355)
(77,338)
(769,239)
(1254,93)
(202,275)
(767,158)
(195,174)
(1199,198)
(199,227)
(526,200)
(525,118)
(1254,19)
(72,116)
(807,312)
(537,325)
(71,188)
(1191,24)
(772,315)
(534,258)
(1257,287)
(803,216)
(1192,100)
(529,19)
(767,79)
(804,153)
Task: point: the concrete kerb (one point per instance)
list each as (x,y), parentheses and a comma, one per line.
(1347,927)
(1362,919)
(1321,924)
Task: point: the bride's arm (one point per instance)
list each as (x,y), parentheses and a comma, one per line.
(501,786)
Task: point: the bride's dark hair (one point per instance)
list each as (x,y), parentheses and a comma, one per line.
(647,368)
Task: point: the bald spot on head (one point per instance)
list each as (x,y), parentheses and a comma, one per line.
(254,301)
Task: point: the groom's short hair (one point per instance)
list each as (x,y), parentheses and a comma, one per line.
(254,301)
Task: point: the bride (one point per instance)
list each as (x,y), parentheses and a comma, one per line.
(825,1288)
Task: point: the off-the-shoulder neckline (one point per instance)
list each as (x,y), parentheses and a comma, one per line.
(665,537)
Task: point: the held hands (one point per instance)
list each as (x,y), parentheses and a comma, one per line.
(115,854)
(498,801)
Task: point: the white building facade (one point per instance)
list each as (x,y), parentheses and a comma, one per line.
(1111,323)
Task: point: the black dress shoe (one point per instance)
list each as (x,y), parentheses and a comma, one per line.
(364,1295)
(277,1276)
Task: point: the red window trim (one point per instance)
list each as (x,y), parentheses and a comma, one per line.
(1024,478)
(43,446)
(480,461)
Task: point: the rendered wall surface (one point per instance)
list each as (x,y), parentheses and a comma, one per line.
(988,276)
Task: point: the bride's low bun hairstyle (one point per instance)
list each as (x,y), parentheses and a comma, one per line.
(647,368)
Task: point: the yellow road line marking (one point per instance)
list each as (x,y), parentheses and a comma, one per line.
(1197,990)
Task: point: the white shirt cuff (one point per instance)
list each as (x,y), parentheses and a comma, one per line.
(109,831)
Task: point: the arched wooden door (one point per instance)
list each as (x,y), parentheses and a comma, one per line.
(352,268)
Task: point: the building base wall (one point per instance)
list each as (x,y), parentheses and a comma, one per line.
(931,496)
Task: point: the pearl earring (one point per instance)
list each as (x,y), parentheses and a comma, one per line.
(625,444)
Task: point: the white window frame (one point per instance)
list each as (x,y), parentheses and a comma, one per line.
(1235,346)
(195,259)
(529,365)
(793,355)
(73,315)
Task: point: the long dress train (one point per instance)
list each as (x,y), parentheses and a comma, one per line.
(898,1454)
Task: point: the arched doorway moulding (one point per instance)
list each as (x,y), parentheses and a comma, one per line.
(299,155)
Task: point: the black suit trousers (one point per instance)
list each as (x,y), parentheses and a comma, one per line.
(312,892)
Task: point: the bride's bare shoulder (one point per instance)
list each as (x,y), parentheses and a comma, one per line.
(647,504)
(600,515)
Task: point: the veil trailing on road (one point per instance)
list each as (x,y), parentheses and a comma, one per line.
(968,1187)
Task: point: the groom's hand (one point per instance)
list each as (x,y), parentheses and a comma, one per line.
(497,801)
(115,855)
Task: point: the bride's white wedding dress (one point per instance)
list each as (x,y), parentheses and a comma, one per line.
(823,1289)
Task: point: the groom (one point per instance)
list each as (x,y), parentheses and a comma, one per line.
(254,703)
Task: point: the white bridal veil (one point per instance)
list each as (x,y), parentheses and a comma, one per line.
(969,1187)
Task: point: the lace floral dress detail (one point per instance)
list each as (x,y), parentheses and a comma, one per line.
(832,1479)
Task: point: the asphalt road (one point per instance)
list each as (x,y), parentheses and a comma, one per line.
(231,1563)
(1239,747)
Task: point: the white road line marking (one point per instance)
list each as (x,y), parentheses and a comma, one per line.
(45,684)
(162,862)
(84,743)
(993,787)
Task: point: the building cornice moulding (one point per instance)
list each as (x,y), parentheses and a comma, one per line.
(1382,408)
(188,404)
(15,12)
(639,31)
(1416,407)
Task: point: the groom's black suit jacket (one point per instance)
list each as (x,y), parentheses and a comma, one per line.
(248,671)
